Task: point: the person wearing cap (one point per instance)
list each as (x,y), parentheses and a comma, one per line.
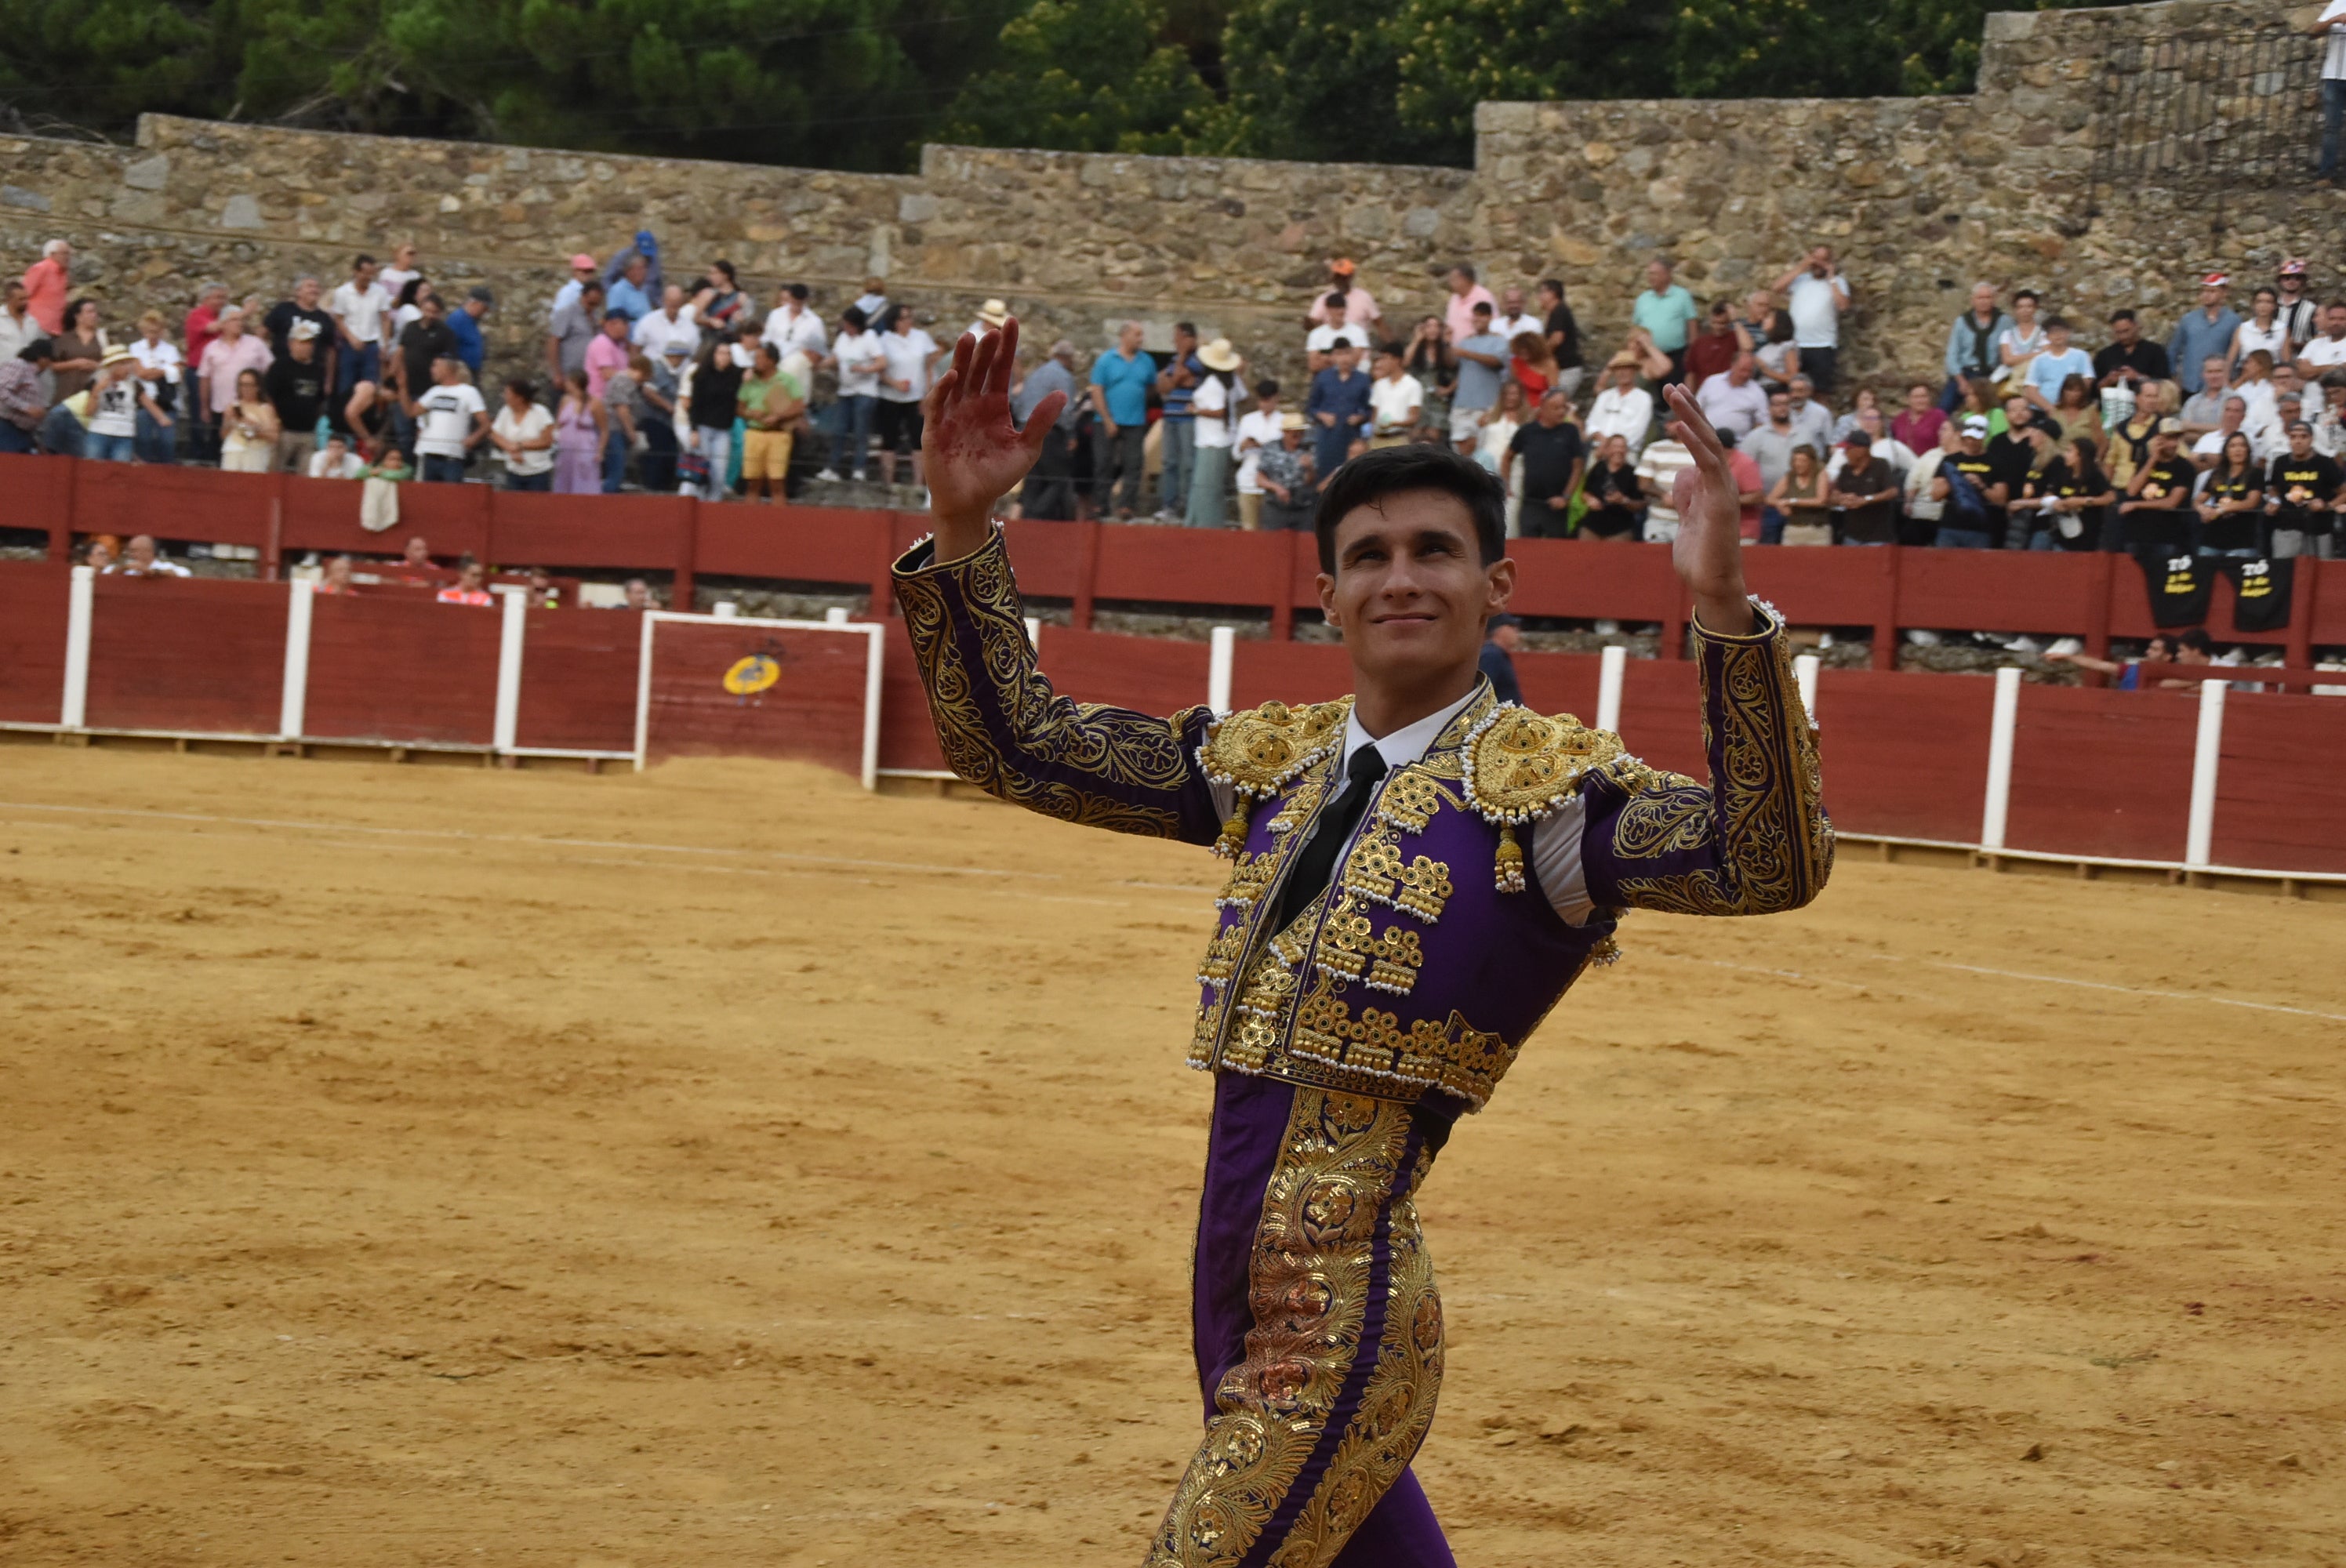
(307,304)
(1971,492)
(465,321)
(1257,432)
(2158,505)
(2203,334)
(1177,428)
(583,269)
(1288,477)
(2299,314)
(1344,302)
(1214,414)
(296,385)
(1622,408)
(1050,491)
(794,329)
(2301,489)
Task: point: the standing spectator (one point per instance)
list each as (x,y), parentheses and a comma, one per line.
(248,425)
(626,412)
(464,324)
(450,419)
(523,433)
(1616,499)
(1050,491)
(1811,420)
(674,321)
(873,301)
(771,404)
(2130,439)
(1320,341)
(2330,28)
(1257,432)
(711,400)
(1971,353)
(1714,348)
(2204,410)
(583,269)
(358,308)
(1803,499)
(1659,468)
(1344,303)
(49,284)
(403,269)
(1214,402)
(1429,360)
(719,302)
(857,352)
(911,356)
(2264,329)
(305,305)
(296,385)
(78,352)
(791,328)
(1510,320)
(2326,350)
(1817,294)
(1458,310)
(1665,310)
(2158,507)
(1290,487)
(22,405)
(1338,408)
(161,371)
(1531,362)
(1550,451)
(423,342)
(608,351)
(1563,336)
(17,327)
(2022,339)
(2301,492)
(2015,451)
(1396,398)
(582,431)
(1733,399)
(663,392)
(1770,448)
(2129,358)
(1969,491)
(1922,505)
(2231,503)
(203,325)
(2073,412)
(1778,357)
(1175,425)
(233,352)
(1624,409)
(1500,422)
(1867,493)
(2058,361)
(1482,358)
(115,396)
(2204,334)
(576,326)
(1501,637)
(2299,314)
(1917,425)
(2071,493)
(628,298)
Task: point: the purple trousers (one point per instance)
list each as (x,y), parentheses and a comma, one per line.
(1317,1333)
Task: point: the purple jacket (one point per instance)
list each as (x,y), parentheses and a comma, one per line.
(1432,956)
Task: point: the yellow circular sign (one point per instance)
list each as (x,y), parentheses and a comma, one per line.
(751,676)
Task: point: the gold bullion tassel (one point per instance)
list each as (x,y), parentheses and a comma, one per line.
(1234,833)
(1510,862)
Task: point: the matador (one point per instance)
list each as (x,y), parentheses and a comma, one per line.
(1417,873)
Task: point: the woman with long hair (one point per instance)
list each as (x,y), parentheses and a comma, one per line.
(523,434)
(1563,336)
(79,348)
(1864,398)
(1615,495)
(720,299)
(1804,498)
(2076,408)
(1531,364)
(2263,330)
(249,431)
(2072,494)
(1777,358)
(580,429)
(2231,504)
(1429,359)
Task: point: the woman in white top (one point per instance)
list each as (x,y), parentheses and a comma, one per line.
(523,433)
(2020,342)
(1215,406)
(2262,329)
(909,353)
(856,351)
(248,430)
(1500,421)
(160,367)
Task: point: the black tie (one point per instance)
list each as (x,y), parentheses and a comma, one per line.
(1317,859)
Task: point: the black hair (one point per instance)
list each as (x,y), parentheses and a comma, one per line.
(721,265)
(2196,640)
(1335,299)
(2123,314)
(897,310)
(1368,479)
(2030,295)
(1555,286)
(796,290)
(362,259)
(39,349)
(1266,388)
(854,317)
(1188,327)
(522,385)
(2056,321)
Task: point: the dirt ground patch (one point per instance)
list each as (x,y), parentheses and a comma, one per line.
(420,1165)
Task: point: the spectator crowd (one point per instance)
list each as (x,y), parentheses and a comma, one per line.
(2036,429)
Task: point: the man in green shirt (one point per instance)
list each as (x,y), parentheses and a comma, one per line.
(770,402)
(1666,310)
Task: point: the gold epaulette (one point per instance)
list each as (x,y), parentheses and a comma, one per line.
(1519,765)
(1258,751)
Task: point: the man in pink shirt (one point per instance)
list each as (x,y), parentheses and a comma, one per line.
(48,283)
(606,354)
(1465,295)
(1360,305)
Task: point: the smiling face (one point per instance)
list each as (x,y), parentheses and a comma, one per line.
(1410,592)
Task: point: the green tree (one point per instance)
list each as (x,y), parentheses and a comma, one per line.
(1454,56)
(1083,76)
(1321,81)
(98,64)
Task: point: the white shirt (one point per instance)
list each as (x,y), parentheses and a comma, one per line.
(360,312)
(1659,466)
(1510,327)
(794,331)
(2324,353)
(1262,429)
(1890,448)
(2272,340)
(353,466)
(859,359)
(391,279)
(528,427)
(1628,415)
(657,330)
(908,355)
(162,355)
(1321,339)
(1210,403)
(444,417)
(1397,404)
(1816,310)
(1555,839)
(2333,57)
(114,407)
(15,334)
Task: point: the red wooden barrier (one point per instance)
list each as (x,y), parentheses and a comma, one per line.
(815,711)
(908,737)
(1661,713)
(579,680)
(401,670)
(177,654)
(2276,787)
(33,612)
(1904,756)
(2099,772)
(1291,673)
(1154,675)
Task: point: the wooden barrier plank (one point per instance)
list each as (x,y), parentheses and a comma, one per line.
(1291,673)
(1154,675)
(33,614)
(168,653)
(798,544)
(403,669)
(1582,580)
(1995,590)
(323,515)
(629,532)
(1661,713)
(40,494)
(908,736)
(1048,557)
(2281,790)
(1560,683)
(1849,587)
(2097,772)
(812,712)
(1190,566)
(1903,756)
(199,505)
(579,680)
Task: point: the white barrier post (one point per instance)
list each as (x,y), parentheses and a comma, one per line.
(1035,633)
(81,598)
(293,699)
(508,724)
(835,616)
(1611,666)
(1224,653)
(872,689)
(2001,727)
(2206,753)
(1804,675)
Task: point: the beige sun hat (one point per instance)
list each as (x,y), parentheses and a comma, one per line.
(1219,355)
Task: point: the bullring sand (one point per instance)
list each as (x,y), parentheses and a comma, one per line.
(405,1164)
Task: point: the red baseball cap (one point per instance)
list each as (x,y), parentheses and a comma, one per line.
(2215,280)
(582,260)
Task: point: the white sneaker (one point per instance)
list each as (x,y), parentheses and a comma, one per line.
(1917,636)
(2023,644)
(1605,628)
(828,476)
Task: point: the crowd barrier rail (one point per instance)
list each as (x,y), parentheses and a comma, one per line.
(2212,783)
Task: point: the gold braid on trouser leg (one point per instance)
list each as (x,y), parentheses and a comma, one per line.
(1344,1359)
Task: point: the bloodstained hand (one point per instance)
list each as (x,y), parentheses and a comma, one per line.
(972,453)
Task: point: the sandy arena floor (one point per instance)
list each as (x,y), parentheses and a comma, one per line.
(408,1165)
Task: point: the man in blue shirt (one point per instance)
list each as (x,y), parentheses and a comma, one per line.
(2206,330)
(630,296)
(1336,410)
(1666,310)
(1119,387)
(1178,427)
(465,323)
(2054,364)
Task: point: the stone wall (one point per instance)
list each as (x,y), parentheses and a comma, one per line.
(1921,196)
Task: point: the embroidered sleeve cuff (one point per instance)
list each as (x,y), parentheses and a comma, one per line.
(1771,624)
(921,558)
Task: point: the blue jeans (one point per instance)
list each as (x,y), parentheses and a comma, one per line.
(1771,526)
(157,442)
(2333,114)
(537,482)
(2044,539)
(352,366)
(615,461)
(440,470)
(110,448)
(1962,539)
(850,437)
(1177,450)
(717,446)
(16,438)
(61,433)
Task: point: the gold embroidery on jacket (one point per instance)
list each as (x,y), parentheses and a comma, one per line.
(1411,800)
(1347,951)
(1331,1042)
(1222,954)
(1259,750)
(1374,871)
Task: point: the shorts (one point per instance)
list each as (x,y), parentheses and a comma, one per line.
(766,454)
(1466,424)
(898,426)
